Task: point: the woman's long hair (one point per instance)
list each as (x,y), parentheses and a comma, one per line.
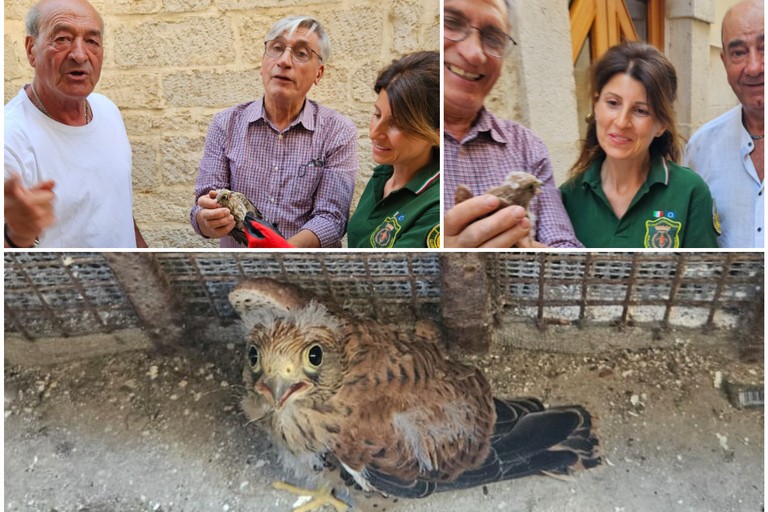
(412,83)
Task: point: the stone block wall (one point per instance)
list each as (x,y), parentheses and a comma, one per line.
(170,65)
(719,94)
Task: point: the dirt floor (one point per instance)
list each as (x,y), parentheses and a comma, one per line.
(144,432)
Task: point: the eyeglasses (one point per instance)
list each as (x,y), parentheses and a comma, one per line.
(495,42)
(300,52)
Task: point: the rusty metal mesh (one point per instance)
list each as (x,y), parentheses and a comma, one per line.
(70,294)
(381,286)
(687,289)
(60,294)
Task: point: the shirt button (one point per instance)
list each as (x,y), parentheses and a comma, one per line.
(275,168)
(271,199)
(280,136)
(760,193)
(759,230)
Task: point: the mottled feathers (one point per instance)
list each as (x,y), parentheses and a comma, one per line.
(391,414)
(239,206)
(518,188)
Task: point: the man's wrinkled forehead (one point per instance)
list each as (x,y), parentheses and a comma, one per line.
(54,12)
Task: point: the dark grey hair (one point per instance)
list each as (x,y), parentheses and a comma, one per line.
(291,24)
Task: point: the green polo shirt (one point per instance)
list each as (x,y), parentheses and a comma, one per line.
(672,209)
(407,217)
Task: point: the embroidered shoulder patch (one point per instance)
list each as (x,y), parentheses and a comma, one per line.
(716,218)
(662,233)
(383,237)
(433,238)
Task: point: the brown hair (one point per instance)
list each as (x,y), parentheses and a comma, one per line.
(650,67)
(412,83)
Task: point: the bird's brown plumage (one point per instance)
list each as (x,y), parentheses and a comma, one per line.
(239,206)
(518,188)
(397,415)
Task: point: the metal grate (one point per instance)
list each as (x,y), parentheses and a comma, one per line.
(687,289)
(381,286)
(71,294)
(61,294)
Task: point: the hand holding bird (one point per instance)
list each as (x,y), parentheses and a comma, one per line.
(518,188)
(238,206)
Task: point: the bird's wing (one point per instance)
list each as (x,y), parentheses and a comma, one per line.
(418,423)
(247,204)
(411,413)
(238,206)
(254,298)
(239,236)
(527,440)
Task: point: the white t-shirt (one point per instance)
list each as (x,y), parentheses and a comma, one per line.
(90,164)
(719,152)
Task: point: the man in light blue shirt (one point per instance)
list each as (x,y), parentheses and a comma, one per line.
(728,152)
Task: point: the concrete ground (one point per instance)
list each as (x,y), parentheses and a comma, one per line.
(140,432)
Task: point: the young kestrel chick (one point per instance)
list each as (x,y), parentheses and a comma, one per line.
(238,206)
(393,415)
(518,188)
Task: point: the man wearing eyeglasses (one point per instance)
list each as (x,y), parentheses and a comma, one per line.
(294,159)
(481,149)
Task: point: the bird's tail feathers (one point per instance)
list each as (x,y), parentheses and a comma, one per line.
(558,440)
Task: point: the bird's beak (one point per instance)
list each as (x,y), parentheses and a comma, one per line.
(282,388)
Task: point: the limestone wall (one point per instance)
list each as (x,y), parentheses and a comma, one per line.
(720,93)
(171,64)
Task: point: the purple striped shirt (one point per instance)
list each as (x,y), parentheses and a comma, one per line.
(492,149)
(300,178)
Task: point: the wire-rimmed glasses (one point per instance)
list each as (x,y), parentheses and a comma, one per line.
(496,43)
(300,52)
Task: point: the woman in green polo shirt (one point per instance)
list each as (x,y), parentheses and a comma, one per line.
(400,206)
(625,189)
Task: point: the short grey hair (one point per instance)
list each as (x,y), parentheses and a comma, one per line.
(291,24)
(32,21)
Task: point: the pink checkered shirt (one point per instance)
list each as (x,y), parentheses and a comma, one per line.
(491,150)
(301,178)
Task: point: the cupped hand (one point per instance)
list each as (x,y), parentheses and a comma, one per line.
(213,220)
(468,224)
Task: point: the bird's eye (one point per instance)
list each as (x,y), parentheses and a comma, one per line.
(253,356)
(314,355)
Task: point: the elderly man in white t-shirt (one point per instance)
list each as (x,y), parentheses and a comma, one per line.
(67,156)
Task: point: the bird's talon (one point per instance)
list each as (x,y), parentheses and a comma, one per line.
(319,497)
